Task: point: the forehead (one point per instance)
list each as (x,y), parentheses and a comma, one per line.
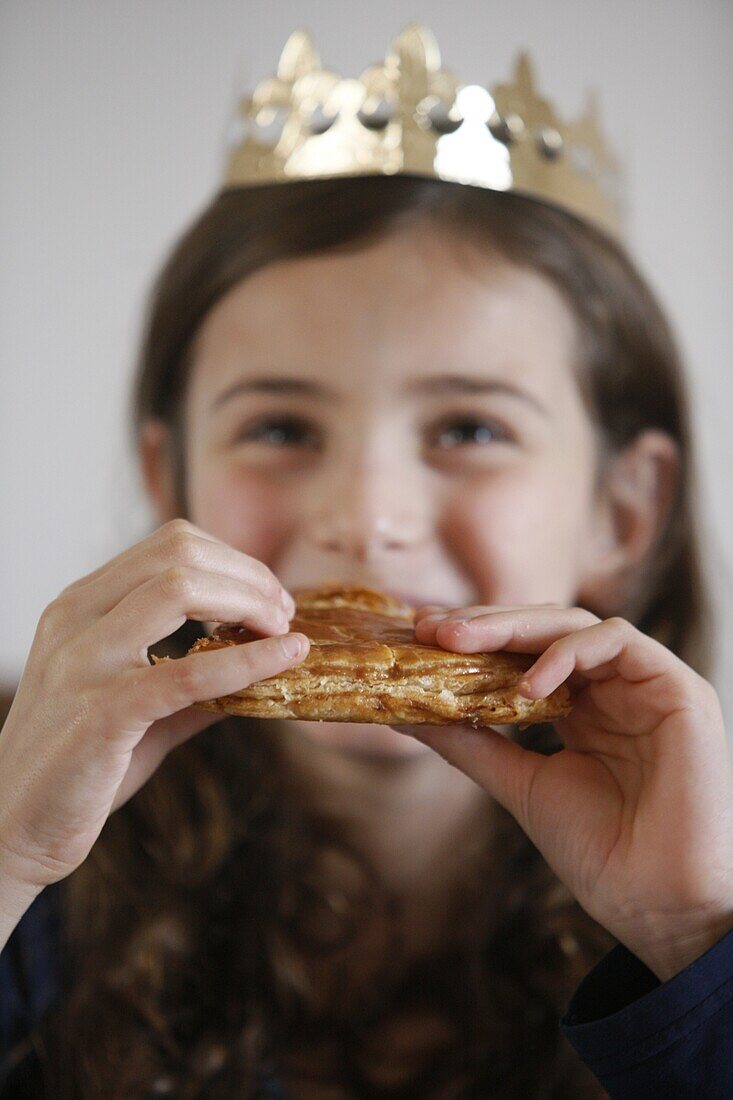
(415,302)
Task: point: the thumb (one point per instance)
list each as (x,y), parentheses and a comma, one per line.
(499,765)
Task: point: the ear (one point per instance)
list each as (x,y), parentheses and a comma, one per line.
(156,466)
(633,507)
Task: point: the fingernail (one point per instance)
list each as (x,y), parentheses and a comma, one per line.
(436,617)
(292,645)
(288,603)
(524,688)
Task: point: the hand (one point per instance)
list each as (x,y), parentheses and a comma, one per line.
(635,813)
(92,719)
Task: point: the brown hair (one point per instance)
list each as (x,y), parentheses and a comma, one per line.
(202,932)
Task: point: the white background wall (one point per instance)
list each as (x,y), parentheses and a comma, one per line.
(112,122)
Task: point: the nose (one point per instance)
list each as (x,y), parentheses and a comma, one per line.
(372,512)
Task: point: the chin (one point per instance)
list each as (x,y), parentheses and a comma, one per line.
(361,739)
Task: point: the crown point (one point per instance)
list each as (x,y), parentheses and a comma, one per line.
(417,43)
(417,31)
(299,55)
(523,68)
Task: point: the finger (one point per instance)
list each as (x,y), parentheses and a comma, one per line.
(521,630)
(175,543)
(162,604)
(150,694)
(610,648)
(499,765)
(432,619)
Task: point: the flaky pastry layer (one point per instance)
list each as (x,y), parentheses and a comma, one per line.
(364,665)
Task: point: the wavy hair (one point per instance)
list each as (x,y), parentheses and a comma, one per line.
(213,929)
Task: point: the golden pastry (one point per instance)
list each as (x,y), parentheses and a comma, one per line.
(364,665)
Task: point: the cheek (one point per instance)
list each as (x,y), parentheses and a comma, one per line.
(520,536)
(241,508)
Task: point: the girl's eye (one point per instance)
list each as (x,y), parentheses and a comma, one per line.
(280,432)
(291,432)
(467,430)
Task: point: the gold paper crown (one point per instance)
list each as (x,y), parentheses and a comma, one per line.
(411,116)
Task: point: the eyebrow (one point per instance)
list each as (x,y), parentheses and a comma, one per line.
(436,385)
(284,386)
(439,384)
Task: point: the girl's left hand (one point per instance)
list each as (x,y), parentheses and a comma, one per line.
(635,813)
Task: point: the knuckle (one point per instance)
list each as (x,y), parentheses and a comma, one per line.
(188,679)
(702,690)
(175,526)
(623,626)
(178,583)
(52,620)
(185,548)
(267,580)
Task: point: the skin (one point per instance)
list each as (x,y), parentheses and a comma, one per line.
(377,482)
(381,482)
(324,502)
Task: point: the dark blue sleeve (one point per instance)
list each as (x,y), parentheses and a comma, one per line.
(644,1038)
(29,973)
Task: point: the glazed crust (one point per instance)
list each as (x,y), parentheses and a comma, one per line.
(364,665)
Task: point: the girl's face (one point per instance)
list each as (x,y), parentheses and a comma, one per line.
(403,416)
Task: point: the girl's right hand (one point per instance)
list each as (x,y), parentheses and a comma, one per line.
(92,718)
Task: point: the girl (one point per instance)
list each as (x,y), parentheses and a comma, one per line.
(470,399)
